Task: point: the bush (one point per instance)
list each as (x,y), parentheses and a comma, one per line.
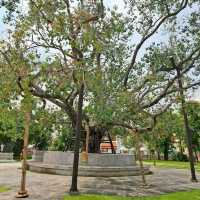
(178,156)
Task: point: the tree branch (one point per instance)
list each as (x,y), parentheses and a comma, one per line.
(146,37)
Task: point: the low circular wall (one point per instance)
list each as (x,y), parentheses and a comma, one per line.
(99,165)
(87,170)
(6,156)
(38,156)
(66,158)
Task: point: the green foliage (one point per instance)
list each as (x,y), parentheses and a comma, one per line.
(129,142)
(168,131)
(193,109)
(11,127)
(41,128)
(64,140)
(178,156)
(54,47)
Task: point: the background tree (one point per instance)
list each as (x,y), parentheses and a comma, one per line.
(11,128)
(41,129)
(194,117)
(168,129)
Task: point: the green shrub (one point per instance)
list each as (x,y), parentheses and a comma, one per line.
(178,156)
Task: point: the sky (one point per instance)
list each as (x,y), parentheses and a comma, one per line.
(108,3)
(2,25)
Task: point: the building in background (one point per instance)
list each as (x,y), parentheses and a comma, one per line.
(117,146)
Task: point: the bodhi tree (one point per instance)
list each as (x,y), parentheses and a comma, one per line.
(60,46)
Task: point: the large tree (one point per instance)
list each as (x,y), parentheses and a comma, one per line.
(64,49)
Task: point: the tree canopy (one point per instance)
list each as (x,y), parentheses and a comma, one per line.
(103,67)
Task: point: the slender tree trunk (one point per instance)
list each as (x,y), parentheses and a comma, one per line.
(187,128)
(154,149)
(166,150)
(111,144)
(23,192)
(158,154)
(138,146)
(196,156)
(74,188)
(154,158)
(180,146)
(87,139)
(84,154)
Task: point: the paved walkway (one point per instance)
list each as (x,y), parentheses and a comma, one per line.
(53,187)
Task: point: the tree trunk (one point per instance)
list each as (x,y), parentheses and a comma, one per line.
(140,158)
(23,192)
(196,156)
(180,146)
(158,154)
(187,128)
(111,144)
(96,135)
(87,139)
(154,158)
(166,150)
(74,188)
(84,154)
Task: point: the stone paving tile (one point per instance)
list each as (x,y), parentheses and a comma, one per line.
(53,187)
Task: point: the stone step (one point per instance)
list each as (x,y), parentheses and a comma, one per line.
(93,171)
(7,161)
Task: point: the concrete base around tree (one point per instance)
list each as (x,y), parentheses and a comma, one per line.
(94,159)
(6,157)
(98,165)
(94,171)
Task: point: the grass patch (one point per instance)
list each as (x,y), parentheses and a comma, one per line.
(193,195)
(172,164)
(3,189)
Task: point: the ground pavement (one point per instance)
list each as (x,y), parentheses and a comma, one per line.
(54,187)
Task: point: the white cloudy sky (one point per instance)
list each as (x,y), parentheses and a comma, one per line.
(109,3)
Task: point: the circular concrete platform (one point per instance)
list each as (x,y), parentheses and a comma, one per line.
(98,165)
(88,171)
